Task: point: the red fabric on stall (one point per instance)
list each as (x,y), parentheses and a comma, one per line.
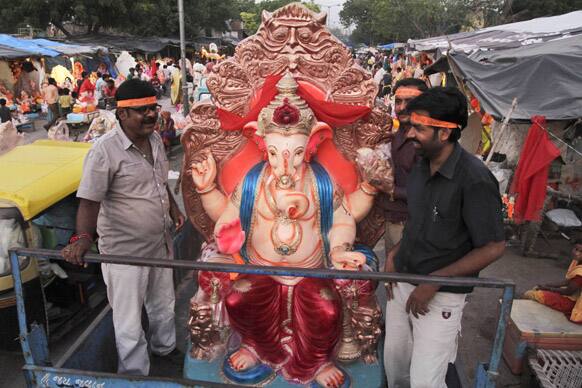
(531,176)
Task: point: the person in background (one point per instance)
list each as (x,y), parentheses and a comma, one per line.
(109,94)
(155,81)
(564,297)
(51,95)
(98,85)
(403,159)
(65,102)
(5,114)
(167,130)
(131,74)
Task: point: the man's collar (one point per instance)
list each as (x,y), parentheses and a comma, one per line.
(124,139)
(399,138)
(448,168)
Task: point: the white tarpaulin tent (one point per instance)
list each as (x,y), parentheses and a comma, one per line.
(506,36)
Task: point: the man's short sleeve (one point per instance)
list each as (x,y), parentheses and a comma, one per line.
(482,213)
(96,176)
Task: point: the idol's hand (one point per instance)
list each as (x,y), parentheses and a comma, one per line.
(203,171)
(230,237)
(348,260)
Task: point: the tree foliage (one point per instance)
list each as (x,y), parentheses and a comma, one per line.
(250,12)
(143,17)
(519,10)
(383,21)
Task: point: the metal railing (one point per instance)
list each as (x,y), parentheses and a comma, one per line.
(486,378)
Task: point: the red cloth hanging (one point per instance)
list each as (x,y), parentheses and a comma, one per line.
(331,113)
(531,176)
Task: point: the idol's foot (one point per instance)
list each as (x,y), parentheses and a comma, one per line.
(242,359)
(331,377)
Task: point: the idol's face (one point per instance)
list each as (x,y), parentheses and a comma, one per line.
(286,154)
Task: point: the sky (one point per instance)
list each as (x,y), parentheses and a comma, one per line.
(333,8)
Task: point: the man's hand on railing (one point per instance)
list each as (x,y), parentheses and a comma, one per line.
(74,252)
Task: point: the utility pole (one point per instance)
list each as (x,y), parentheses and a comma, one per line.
(185,101)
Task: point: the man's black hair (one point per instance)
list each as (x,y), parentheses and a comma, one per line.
(446,104)
(64,91)
(134,88)
(131,69)
(99,74)
(2,101)
(411,82)
(52,81)
(110,81)
(84,74)
(105,76)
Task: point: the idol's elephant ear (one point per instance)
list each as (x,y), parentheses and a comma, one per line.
(320,133)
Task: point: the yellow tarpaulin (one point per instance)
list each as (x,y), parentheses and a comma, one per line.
(38,175)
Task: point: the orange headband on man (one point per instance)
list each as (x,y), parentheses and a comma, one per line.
(415,118)
(133,102)
(405,92)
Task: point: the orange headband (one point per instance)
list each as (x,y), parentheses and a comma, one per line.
(415,118)
(404,92)
(137,102)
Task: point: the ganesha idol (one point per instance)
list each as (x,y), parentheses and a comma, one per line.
(271,187)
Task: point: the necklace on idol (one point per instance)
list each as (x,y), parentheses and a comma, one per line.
(289,246)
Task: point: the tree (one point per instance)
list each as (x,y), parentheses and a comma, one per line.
(519,10)
(383,21)
(250,12)
(143,17)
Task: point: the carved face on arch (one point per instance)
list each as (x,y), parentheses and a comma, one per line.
(295,30)
(285,154)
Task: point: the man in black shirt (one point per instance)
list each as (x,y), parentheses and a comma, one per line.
(454,228)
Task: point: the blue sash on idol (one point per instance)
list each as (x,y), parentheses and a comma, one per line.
(324,191)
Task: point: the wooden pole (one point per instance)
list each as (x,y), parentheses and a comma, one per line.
(501,131)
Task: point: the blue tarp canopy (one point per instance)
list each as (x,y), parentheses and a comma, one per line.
(12,53)
(389,46)
(44,47)
(26,45)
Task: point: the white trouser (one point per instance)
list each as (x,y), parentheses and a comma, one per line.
(417,351)
(128,289)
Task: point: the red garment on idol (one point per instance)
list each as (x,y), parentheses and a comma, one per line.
(531,176)
(331,113)
(293,329)
(86,86)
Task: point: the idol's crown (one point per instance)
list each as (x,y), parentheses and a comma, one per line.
(287,113)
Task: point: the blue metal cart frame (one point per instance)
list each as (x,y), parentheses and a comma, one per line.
(40,373)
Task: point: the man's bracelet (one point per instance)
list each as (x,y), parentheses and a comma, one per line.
(77,237)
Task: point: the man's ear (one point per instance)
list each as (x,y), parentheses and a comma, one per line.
(320,133)
(445,134)
(122,113)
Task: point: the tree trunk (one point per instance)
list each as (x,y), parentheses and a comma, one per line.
(60,26)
